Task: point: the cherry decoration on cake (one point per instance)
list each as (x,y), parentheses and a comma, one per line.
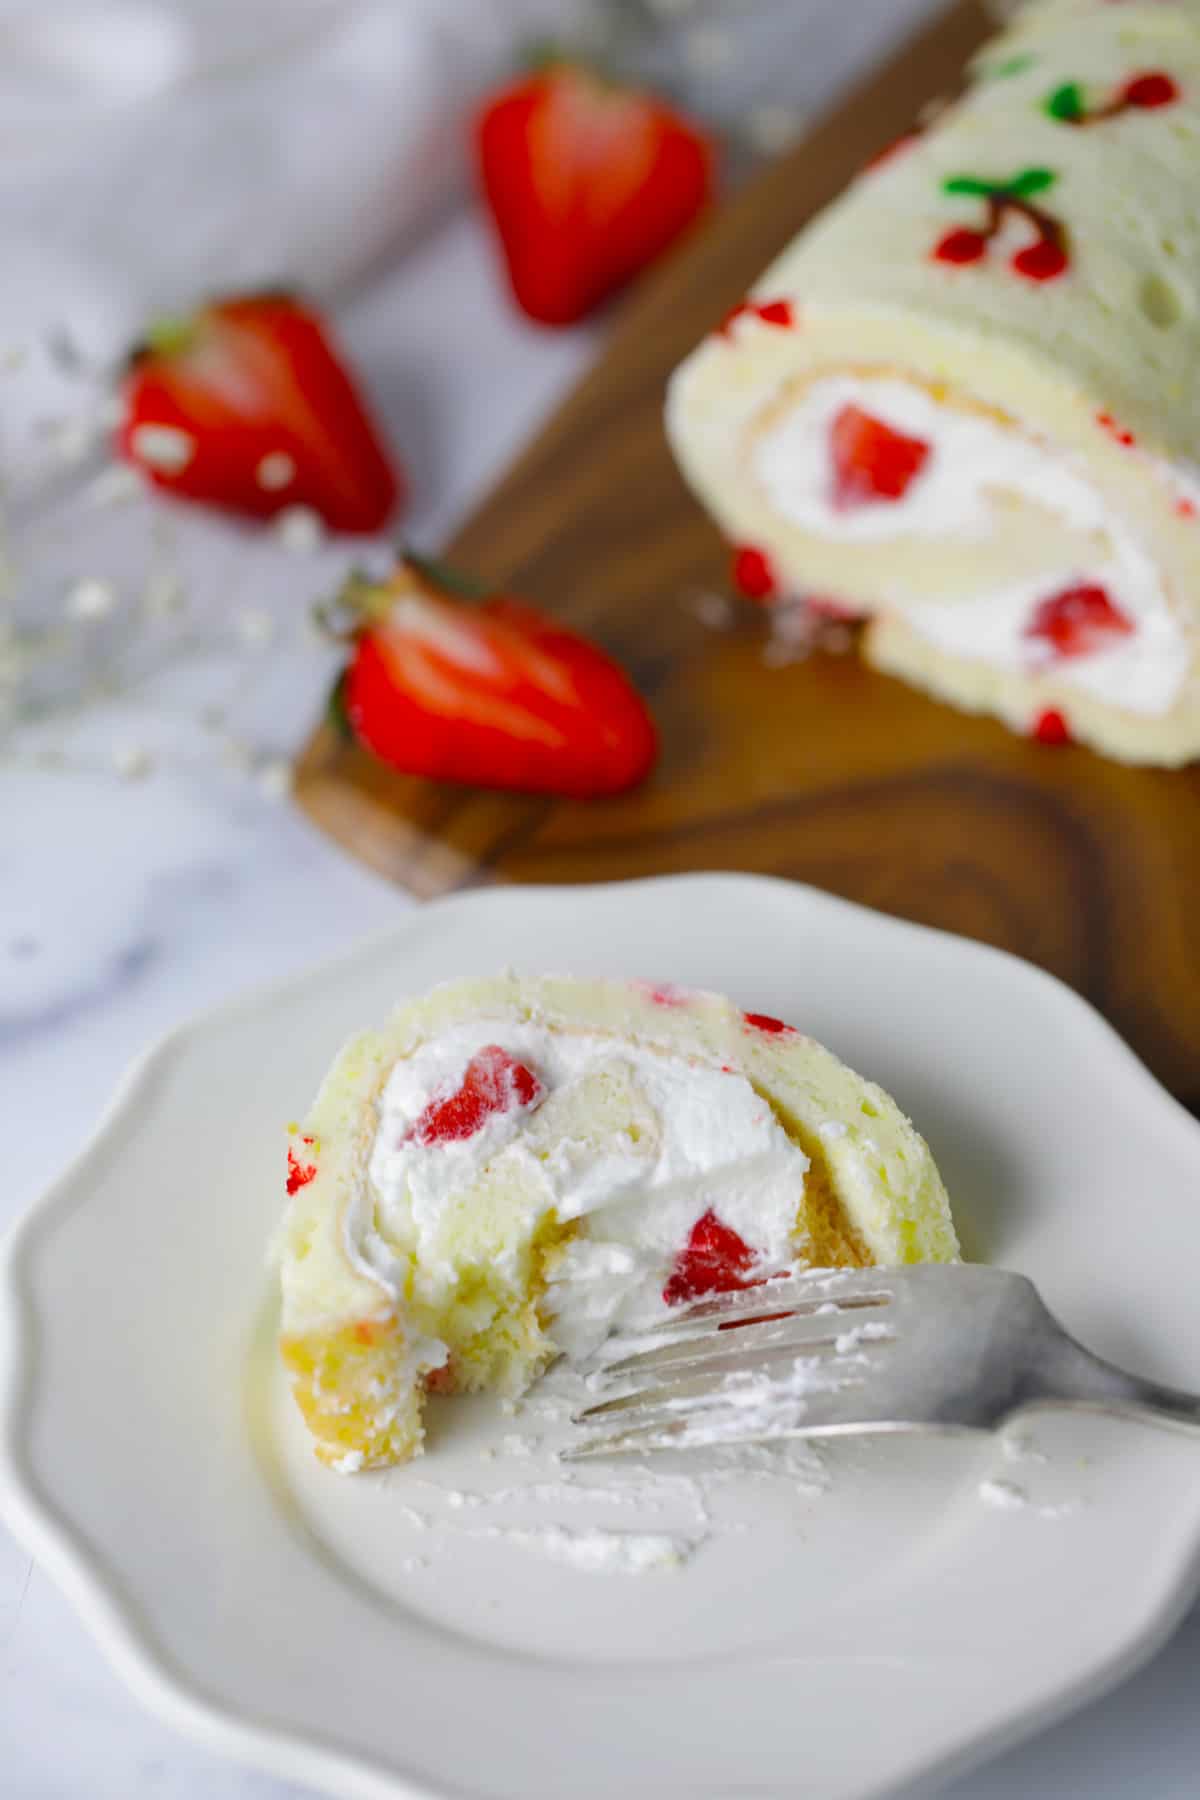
(1146,91)
(1045,259)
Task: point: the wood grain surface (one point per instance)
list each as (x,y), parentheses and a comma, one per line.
(821,770)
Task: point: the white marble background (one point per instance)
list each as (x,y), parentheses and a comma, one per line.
(150,864)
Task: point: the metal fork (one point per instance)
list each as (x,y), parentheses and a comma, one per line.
(824,1352)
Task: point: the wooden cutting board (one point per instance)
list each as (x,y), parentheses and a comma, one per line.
(821,770)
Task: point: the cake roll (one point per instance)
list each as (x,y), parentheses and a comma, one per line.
(510,1169)
(964,404)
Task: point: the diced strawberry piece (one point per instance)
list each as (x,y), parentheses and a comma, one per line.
(587,182)
(764,1022)
(494,1083)
(871,461)
(714,1261)
(1150,90)
(495,694)
(299,1174)
(1044,261)
(752,573)
(1079,621)
(247,405)
(1051,728)
(961,245)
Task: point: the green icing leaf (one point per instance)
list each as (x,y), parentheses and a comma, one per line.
(1012,65)
(1066,103)
(1031,181)
(970,184)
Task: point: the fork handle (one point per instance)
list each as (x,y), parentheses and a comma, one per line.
(1069,1372)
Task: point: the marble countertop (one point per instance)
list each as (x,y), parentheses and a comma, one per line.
(151,865)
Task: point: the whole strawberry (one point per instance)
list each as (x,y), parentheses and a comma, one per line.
(245,404)
(491,693)
(587,182)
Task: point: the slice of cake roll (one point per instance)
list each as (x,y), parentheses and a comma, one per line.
(510,1169)
(965,403)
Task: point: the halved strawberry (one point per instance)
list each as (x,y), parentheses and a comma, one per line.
(494,1083)
(871,461)
(587,182)
(1079,621)
(245,404)
(494,694)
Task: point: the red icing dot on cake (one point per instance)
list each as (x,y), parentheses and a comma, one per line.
(775,312)
(771,312)
(764,1022)
(299,1174)
(494,1083)
(871,462)
(1044,261)
(752,573)
(1051,728)
(715,1260)
(664,993)
(1078,621)
(1186,508)
(1107,423)
(961,245)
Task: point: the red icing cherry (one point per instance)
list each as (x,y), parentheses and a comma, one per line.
(714,1261)
(871,462)
(1078,621)
(1051,728)
(1044,261)
(962,245)
(494,1082)
(752,573)
(1149,90)
(298,1174)
(764,1022)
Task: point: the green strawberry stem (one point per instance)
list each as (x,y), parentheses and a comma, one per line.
(336,716)
(443,576)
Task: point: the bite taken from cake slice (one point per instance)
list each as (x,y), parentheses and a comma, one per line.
(509,1169)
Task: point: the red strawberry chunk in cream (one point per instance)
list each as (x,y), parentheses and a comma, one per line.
(871,461)
(715,1260)
(299,1174)
(1079,621)
(764,1022)
(494,1083)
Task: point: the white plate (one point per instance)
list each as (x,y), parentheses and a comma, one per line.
(892,1626)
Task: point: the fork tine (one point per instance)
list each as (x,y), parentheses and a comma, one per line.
(812,1334)
(722,1416)
(808,1293)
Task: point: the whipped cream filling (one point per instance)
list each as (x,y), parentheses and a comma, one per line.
(702,1140)
(972,458)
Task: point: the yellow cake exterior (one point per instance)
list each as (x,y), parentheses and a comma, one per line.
(1063,371)
(380,1304)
